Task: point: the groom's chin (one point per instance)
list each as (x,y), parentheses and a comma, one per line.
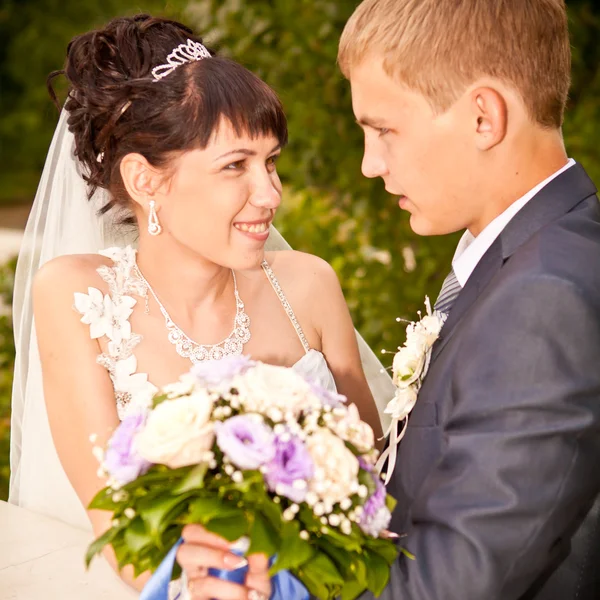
(422,226)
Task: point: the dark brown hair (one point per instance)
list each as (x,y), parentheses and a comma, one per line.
(116,108)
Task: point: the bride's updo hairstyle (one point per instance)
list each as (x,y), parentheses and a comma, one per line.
(116,106)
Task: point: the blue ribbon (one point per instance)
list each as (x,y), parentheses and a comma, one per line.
(157,587)
(285,586)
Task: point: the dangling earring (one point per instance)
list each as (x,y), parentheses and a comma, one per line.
(154,227)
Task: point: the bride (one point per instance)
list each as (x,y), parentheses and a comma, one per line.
(165,263)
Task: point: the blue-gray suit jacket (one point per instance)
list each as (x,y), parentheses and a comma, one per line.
(501,459)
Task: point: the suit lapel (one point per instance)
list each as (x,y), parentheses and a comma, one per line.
(559,197)
(554,200)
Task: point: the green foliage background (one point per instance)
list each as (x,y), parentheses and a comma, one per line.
(330,209)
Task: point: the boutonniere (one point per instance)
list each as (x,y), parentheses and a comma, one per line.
(409,368)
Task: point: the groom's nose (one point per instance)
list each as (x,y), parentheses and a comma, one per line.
(373,164)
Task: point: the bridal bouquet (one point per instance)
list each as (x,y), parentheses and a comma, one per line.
(251,450)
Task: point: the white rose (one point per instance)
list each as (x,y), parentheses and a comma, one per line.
(430,327)
(402,403)
(351,429)
(408,364)
(183,387)
(270,389)
(178,432)
(416,337)
(336,468)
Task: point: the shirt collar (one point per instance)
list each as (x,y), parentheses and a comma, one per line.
(471,249)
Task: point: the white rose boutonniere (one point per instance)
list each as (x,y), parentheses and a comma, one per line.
(409,368)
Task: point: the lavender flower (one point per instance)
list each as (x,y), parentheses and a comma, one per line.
(365,466)
(327,397)
(246,441)
(121,460)
(375,517)
(215,372)
(292,463)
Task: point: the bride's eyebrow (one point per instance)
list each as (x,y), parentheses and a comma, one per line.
(246,152)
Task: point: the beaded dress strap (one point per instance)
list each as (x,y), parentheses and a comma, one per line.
(286,305)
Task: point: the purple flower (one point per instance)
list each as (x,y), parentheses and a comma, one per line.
(376,501)
(121,461)
(214,372)
(327,397)
(365,466)
(292,463)
(375,517)
(246,441)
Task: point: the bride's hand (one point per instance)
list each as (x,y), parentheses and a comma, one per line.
(203,550)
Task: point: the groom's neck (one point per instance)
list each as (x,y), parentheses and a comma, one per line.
(515,170)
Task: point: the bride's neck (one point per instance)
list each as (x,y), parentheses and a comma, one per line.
(182,281)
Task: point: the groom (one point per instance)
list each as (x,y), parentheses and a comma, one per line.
(462,102)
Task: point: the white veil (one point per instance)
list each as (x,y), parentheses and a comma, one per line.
(63,221)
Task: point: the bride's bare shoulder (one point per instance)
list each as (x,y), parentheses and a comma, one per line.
(300,263)
(70,273)
(300,272)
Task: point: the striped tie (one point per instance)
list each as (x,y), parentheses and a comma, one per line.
(448,294)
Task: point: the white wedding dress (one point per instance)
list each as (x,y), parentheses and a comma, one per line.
(133,388)
(63,221)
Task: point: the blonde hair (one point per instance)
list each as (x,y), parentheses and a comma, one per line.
(439,47)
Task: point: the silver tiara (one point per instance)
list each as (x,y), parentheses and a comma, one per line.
(184,53)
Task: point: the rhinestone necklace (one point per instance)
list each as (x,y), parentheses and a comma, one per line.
(232,345)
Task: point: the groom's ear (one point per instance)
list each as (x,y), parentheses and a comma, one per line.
(489,113)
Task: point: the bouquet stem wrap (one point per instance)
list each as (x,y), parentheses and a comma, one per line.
(285,586)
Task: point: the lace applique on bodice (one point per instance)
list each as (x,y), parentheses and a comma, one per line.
(108,316)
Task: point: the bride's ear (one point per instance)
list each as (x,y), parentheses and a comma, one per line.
(140,179)
(490,115)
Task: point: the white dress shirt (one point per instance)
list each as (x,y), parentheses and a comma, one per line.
(470,249)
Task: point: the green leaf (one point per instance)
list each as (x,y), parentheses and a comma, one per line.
(321,569)
(194,480)
(103,500)
(408,554)
(231,528)
(387,549)
(273,512)
(352,590)
(352,542)
(157,512)
(137,537)
(365,478)
(294,551)
(390,503)
(122,551)
(341,558)
(159,399)
(263,536)
(358,568)
(157,477)
(378,572)
(314,584)
(98,544)
(203,510)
